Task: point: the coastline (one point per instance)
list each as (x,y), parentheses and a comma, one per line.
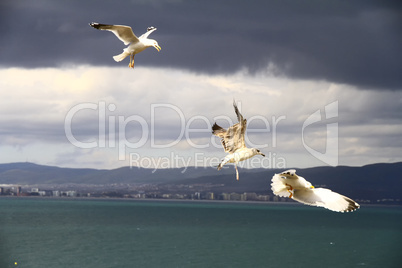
(183,201)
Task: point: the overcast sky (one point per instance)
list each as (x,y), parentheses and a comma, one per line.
(66,102)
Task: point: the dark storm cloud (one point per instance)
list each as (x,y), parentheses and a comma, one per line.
(353,42)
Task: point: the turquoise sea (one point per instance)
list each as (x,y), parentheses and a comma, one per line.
(37,232)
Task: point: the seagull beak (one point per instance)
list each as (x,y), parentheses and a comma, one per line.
(158,48)
(312,187)
(262,154)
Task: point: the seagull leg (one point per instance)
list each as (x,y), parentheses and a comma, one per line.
(129,64)
(237,173)
(132,65)
(290,188)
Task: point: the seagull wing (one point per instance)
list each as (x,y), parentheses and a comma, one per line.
(222,133)
(124,33)
(149,31)
(232,139)
(239,115)
(326,198)
(239,129)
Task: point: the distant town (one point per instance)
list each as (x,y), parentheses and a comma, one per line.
(151,191)
(370,184)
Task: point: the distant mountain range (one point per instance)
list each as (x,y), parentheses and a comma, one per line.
(370,182)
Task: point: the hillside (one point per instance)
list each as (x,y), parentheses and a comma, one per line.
(370,182)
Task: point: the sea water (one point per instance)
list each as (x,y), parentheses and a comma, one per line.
(40,232)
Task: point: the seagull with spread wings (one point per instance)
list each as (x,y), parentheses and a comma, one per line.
(233,143)
(288,184)
(126,35)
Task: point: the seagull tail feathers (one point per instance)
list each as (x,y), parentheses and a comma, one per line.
(121,56)
(278,186)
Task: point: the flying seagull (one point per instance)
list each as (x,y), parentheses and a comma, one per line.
(288,184)
(126,35)
(233,143)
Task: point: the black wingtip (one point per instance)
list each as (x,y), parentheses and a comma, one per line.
(150,28)
(352,206)
(215,128)
(239,115)
(94,24)
(234,103)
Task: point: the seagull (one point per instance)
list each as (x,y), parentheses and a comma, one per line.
(288,184)
(233,143)
(126,35)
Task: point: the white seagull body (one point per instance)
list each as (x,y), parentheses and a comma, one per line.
(288,184)
(126,35)
(233,143)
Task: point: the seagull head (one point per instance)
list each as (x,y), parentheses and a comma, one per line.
(289,174)
(256,151)
(156,46)
(151,43)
